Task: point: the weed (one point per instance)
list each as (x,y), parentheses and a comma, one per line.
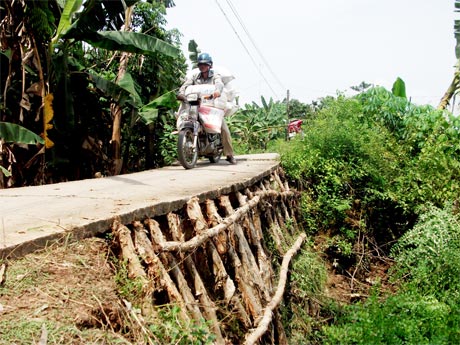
(170,329)
(130,289)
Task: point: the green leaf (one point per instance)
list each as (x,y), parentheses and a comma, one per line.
(149,112)
(113,90)
(399,88)
(8,53)
(65,22)
(5,172)
(127,83)
(132,42)
(193,52)
(149,115)
(13,133)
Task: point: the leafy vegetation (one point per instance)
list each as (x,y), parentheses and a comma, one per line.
(90,101)
(378,177)
(255,126)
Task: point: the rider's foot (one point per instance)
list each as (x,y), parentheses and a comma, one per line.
(231,159)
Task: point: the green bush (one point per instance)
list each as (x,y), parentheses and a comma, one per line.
(407,318)
(342,164)
(428,255)
(426,310)
(430,141)
(376,165)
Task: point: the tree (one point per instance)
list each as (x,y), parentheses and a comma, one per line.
(455,84)
(47,64)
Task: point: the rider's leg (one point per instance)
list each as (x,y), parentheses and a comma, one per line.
(227,142)
(226,139)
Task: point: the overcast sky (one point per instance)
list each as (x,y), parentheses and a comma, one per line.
(318,47)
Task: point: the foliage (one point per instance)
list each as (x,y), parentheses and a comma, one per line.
(429,138)
(399,88)
(255,126)
(307,282)
(371,165)
(299,110)
(130,289)
(82,81)
(426,309)
(171,330)
(12,133)
(406,318)
(344,166)
(428,255)
(168,141)
(382,107)
(194,51)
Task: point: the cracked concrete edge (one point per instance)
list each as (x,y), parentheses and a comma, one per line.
(101,226)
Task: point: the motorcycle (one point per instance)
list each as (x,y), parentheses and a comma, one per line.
(199,124)
(294,128)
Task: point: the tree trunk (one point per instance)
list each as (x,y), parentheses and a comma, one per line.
(453,87)
(115,109)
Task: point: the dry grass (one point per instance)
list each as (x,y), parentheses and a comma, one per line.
(65,294)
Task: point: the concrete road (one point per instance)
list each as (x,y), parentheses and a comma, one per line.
(32,216)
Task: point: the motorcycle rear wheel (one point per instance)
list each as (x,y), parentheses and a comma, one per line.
(187,154)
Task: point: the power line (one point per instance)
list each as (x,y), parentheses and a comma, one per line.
(245,48)
(235,12)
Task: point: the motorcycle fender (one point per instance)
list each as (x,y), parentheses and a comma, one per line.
(187,124)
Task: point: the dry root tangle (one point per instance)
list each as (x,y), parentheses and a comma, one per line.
(214,259)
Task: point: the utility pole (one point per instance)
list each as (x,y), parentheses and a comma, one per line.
(287,116)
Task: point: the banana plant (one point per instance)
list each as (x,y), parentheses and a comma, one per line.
(254,126)
(125,41)
(44,60)
(454,86)
(125,93)
(11,133)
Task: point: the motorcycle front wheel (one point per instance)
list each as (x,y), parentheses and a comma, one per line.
(216,157)
(187,154)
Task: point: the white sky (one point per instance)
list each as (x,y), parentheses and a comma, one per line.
(318,47)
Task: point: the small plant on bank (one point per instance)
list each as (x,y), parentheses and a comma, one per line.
(130,289)
(307,282)
(170,329)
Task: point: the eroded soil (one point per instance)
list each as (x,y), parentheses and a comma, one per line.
(63,295)
(67,294)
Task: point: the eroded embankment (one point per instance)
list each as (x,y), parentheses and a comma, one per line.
(217,265)
(216,259)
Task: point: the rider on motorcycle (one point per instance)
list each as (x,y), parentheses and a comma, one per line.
(207,76)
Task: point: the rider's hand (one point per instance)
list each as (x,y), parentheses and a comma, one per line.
(216,94)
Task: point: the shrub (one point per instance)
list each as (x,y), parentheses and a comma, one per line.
(342,164)
(407,318)
(428,256)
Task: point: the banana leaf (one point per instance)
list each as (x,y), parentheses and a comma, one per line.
(127,83)
(65,22)
(13,133)
(121,95)
(132,42)
(149,112)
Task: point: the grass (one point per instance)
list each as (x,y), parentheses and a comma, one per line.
(57,293)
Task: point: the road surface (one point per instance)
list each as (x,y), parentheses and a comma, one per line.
(32,216)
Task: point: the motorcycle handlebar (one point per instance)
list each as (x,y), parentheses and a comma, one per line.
(183,98)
